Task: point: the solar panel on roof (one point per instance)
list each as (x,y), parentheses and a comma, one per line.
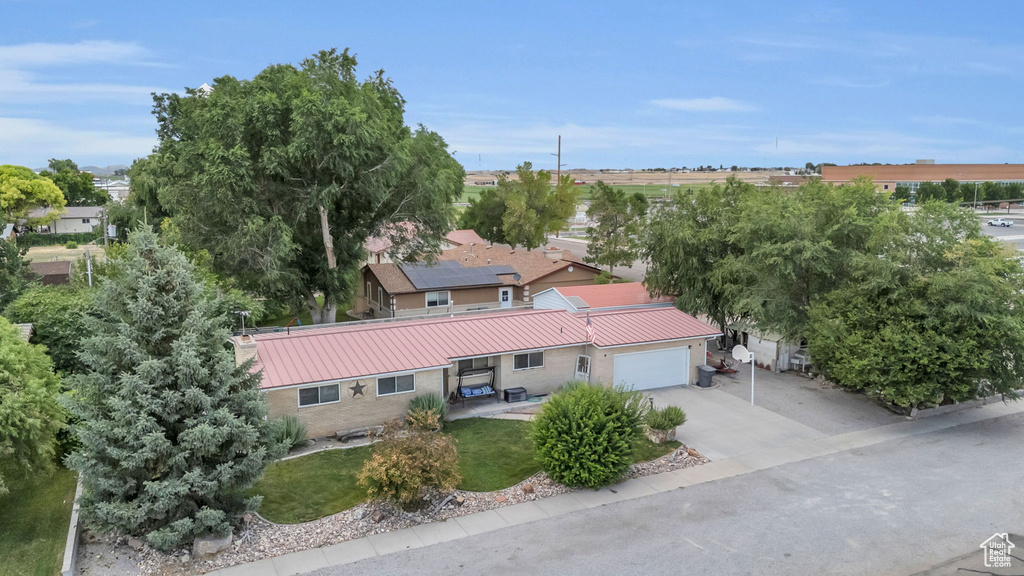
(450,273)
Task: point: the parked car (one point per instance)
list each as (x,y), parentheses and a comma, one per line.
(1000,222)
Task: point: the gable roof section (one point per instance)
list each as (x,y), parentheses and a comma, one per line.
(531,265)
(366,350)
(611,295)
(461,237)
(452,274)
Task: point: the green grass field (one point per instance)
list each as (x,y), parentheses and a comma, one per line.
(34,520)
(651,190)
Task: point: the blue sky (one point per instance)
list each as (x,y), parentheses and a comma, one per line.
(642,84)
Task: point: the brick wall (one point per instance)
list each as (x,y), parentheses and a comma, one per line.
(351,412)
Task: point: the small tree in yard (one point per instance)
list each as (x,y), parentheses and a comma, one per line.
(172,431)
(619,216)
(29,414)
(585,435)
(407,462)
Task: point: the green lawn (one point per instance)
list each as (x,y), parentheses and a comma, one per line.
(311,487)
(34,520)
(493,454)
(305,317)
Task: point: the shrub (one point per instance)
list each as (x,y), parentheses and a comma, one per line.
(584,436)
(406,462)
(71,245)
(666,418)
(289,431)
(427,411)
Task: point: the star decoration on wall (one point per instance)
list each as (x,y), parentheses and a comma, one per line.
(357,389)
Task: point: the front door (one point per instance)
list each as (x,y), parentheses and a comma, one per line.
(583,368)
(505,297)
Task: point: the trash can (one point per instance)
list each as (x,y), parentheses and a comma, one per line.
(704,374)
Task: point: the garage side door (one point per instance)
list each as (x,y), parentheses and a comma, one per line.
(653,369)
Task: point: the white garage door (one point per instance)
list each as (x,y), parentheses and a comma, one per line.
(654,369)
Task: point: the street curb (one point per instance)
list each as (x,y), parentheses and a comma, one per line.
(71,543)
(562,504)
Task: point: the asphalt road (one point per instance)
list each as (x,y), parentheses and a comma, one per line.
(1013,235)
(919,504)
(634,273)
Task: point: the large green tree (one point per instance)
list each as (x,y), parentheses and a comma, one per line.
(936,313)
(58,316)
(172,432)
(77,187)
(795,246)
(283,177)
(620,218)
(522,212)
(22,191)
(687,243)
(29,414)
(15,275)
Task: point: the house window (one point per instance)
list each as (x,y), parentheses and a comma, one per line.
(380,298)
(328,394)
(472,363)
(367,293)
(437,298)
(528,360)
(85,220)
(396,384)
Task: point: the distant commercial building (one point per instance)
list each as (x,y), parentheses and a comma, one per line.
(888,177)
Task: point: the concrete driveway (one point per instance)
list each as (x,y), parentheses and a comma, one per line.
(812,403)
(720,425)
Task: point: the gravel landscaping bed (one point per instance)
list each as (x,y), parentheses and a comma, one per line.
(260,538)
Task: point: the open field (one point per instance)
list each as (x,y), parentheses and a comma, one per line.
(60,253)
(649,190)
(636,178)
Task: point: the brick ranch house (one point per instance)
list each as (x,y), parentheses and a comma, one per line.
(350,376)
(467,278)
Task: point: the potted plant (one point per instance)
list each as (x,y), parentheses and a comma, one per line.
(661,424)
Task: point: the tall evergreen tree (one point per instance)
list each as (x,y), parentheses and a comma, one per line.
(172,431)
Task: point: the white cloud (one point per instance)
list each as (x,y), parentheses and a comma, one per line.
(22,87)
(18,56)
(29,142)
(713,104)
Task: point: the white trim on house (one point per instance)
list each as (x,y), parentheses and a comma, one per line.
(298,394)
(354,378)
(698,337)
(397,391)
(522,351)
(437,298)
(543,360)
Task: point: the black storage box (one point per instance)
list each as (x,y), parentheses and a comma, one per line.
(515,394)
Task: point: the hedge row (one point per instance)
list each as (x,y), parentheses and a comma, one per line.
(31,239)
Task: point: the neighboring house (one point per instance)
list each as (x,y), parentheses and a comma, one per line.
(25,330)
(468,278)
(75,220)
(378,247)
(58,272)
(772,350)
(349,376)
(8,232)
(599,297)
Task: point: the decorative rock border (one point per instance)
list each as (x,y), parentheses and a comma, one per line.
(261,538)
(939,410)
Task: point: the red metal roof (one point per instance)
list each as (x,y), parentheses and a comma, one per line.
(612,295)
(643,325)
(460,237)
(355,351)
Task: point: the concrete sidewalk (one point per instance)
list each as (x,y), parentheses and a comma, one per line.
(766,457)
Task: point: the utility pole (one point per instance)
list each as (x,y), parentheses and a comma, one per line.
(559,177)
